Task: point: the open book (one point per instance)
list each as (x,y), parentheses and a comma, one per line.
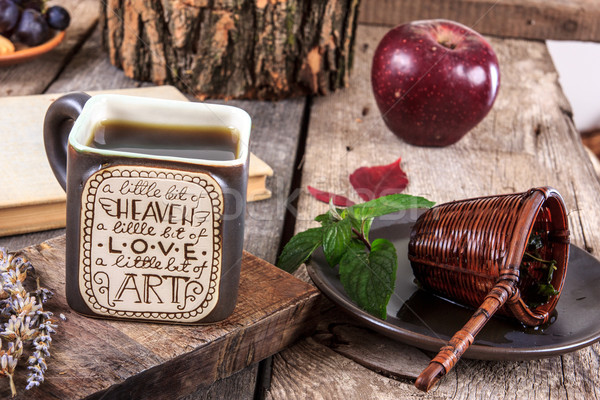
(30,197)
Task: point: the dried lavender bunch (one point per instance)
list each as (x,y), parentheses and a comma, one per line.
(23,320)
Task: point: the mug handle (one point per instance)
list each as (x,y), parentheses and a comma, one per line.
(59,120)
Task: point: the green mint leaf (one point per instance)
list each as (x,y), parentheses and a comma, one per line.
(384,259)
(299,249)
(332,216)
(387,205)
(354,272)
(343,212)
(546,290)
(325,219)
(336,238)
(369,277)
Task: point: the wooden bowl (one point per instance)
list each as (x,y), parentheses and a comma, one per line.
(30,53)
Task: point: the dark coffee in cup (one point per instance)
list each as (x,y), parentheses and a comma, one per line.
(217,143)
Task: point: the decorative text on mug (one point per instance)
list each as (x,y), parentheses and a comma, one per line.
(151,243)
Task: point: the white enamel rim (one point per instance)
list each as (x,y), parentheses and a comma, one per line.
(103,107)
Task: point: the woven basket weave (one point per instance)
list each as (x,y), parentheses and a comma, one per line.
(470,251)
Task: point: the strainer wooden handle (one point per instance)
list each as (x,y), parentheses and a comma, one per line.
(460,342)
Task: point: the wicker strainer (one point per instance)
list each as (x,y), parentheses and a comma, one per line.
(470,251)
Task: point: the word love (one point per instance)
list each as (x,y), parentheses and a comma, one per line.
(140,246)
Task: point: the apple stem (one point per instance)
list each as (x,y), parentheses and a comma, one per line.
(447,38)
(447,44)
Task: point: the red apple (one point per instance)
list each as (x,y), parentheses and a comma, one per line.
(434,81)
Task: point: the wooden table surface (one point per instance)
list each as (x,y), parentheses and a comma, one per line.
(528,140)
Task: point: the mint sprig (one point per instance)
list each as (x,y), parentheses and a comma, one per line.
(367,269)
(536,282)
(299,249)
(369,276)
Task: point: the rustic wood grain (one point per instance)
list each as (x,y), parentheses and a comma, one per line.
(594,160)
(255,49)
(120,359)
(34,77)
(238,386)
(382,355)
(275,134)
(309,370)
(528,140)
(17,242)
(90,69)
(530,19)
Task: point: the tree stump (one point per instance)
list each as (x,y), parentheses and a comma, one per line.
(258,49)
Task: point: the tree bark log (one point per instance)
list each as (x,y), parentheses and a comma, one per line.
(259,49)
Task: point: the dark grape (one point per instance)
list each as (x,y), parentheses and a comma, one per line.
(9,16)
(58,18)
(32,29)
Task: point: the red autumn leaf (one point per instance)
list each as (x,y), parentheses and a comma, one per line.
(338,201)
(373,182)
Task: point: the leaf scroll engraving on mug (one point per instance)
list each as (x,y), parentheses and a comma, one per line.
(151,243)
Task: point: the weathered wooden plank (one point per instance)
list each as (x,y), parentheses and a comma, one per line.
(275,134)
(595,161)
(530,19)
(528,140)
(34,76)
(119,359)
(309,370)
(16,242)
(239,386)
(369,349)
(90,69)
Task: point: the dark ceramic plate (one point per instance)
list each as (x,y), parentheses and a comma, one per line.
(420,319)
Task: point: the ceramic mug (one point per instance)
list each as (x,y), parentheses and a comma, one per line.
(155,223)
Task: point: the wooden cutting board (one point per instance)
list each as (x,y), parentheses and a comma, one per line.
(92,358)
